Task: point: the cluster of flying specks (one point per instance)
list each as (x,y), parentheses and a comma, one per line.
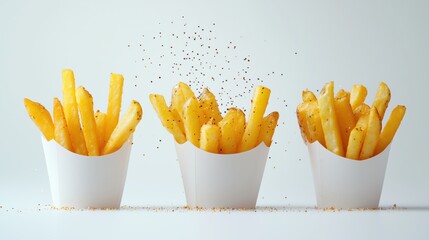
(200,56)
(193,54)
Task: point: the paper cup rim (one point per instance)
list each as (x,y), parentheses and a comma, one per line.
(61,148)
(260,145)
(317,144)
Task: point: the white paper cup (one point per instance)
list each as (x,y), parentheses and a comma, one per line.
(221,180)
(344,183)
(79,181)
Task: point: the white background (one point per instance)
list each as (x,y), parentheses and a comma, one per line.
(305,44)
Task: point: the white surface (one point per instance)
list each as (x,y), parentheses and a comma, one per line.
(305,44)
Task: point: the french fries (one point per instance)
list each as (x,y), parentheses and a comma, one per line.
(100,122)
(232,129)
(356,138)
(308,114)
(209,106)
(269,124)
(346,120)
(329,120)
(382,99)
(76,127)
(167,117)
(61,131)
(192,117)
(89,128)
(253,126)
(125,127)
(180,94)
(72,113)
(361,110)
(41,117)
(372,134)
(114,104)
(210,135)
(350,127)
(357,96)
(201,122)
(390,129)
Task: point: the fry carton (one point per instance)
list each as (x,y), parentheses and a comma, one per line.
(79,181)
(344,183)
(221,180)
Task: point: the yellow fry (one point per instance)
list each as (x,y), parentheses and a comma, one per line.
(301,114)
(269,125)
(126,126)
(231,129)
(210,135)
(357,95)
(209,106)
(308,96)
(72,114)
(167,117)
(382,99)
(178,120)
(61,131)
(344,112)
(254,123)
(86,110)
(390,129)
(181,93)
(314,123)
(100,122)
(329,120)
(114,104)
(372,135)
(41,117)
(361,110)
(192,115)
(356,139)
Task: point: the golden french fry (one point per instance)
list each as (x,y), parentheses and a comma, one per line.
(329,120)
(100,122)
(356,138)
(71,113)
(178,120)
(209,106)
(192,115)
(269,125)
(372,135)
(301,114)
(344,112)
(61,131)
(390,129)
(382,99)
(210,135)
(89,127)
(167,117)
(357,96)
(231,129)
(114,104)
(41,117)
(361,110)
(253,127)
(126,126)
(181,93)
(308,96)
(314,123)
